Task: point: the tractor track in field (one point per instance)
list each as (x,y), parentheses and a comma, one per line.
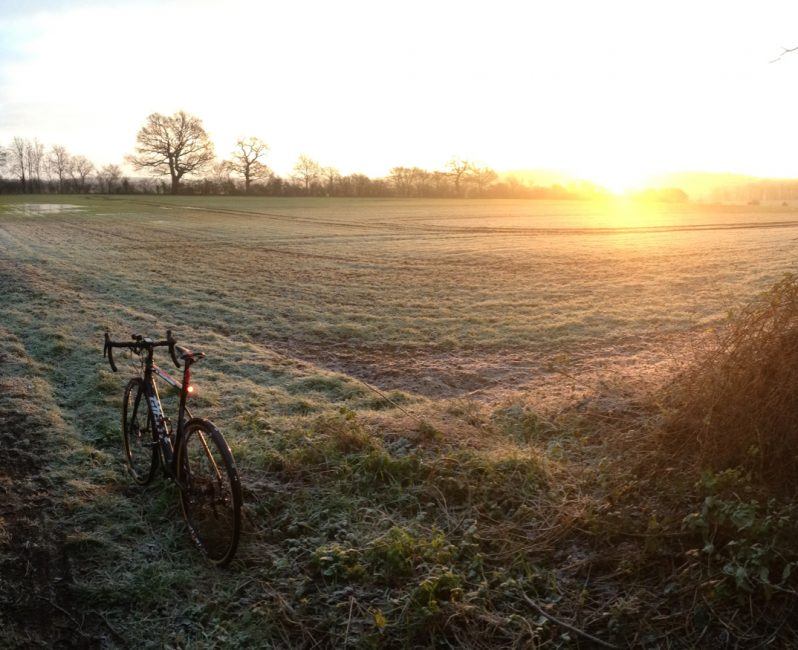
(37,607)
(491,377)
(193,241)
(484,375)
(431,229)
(36,572)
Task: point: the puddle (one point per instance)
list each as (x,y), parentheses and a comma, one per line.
(43,208)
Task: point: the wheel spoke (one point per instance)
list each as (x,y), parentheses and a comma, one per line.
(210,457)
(210,495)
(139,450)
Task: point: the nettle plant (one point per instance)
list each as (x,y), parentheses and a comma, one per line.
(748,543)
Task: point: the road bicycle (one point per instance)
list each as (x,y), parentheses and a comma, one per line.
(194,454)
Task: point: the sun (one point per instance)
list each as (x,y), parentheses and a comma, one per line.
(618,177)
(619,180)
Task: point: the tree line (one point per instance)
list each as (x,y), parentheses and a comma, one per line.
(178,157)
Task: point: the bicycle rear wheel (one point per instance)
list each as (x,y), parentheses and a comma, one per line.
(139,438)
(210,491)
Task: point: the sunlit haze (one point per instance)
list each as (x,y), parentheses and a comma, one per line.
(613,92)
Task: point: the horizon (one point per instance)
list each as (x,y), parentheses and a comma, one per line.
(392,86)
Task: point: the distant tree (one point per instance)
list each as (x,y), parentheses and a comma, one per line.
(260,173)
(246,160)
(219,177)
(441,183)
(34,160)
(355,185)
(307,172)
(482,178)
(402,180)
(420,179)
(457,169)
(146,185)
(411,181)
(18,154)
(59,161)
(108,178)
(79,172)
(361,184)
(176,145)
(101,181)
(331,175)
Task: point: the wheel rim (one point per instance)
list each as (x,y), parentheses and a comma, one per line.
(208,495)
(138,435)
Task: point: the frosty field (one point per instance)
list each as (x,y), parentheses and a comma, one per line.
(434,296)
(367,524)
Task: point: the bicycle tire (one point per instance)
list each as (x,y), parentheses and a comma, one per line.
(210,491)
(139,441)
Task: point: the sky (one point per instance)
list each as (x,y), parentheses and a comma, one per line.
(612,91)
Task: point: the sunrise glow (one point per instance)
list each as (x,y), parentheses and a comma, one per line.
(595,89)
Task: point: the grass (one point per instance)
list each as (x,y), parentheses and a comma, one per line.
(367,524)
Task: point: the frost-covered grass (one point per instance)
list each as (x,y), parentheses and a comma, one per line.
(350,281)
(365,525)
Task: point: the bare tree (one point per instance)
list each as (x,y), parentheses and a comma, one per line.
(402,180)
(482,178)
(220,171)
(108,178)
(420,179)
(34,158)
(784,50)
(441,183)
(246,160)
(360,184)
(219,177)
(176,144)
(457,169)
(58,162)
(307,171)
(19,160)
(331,175)
(79,171)
(410,181)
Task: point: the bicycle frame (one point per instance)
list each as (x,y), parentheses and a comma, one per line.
(158,419)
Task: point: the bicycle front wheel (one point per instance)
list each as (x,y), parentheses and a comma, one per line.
(139,438)
(210,491)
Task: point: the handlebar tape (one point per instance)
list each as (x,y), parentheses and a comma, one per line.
(108,351)
(172,342)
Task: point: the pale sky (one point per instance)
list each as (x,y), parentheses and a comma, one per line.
(612,91)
